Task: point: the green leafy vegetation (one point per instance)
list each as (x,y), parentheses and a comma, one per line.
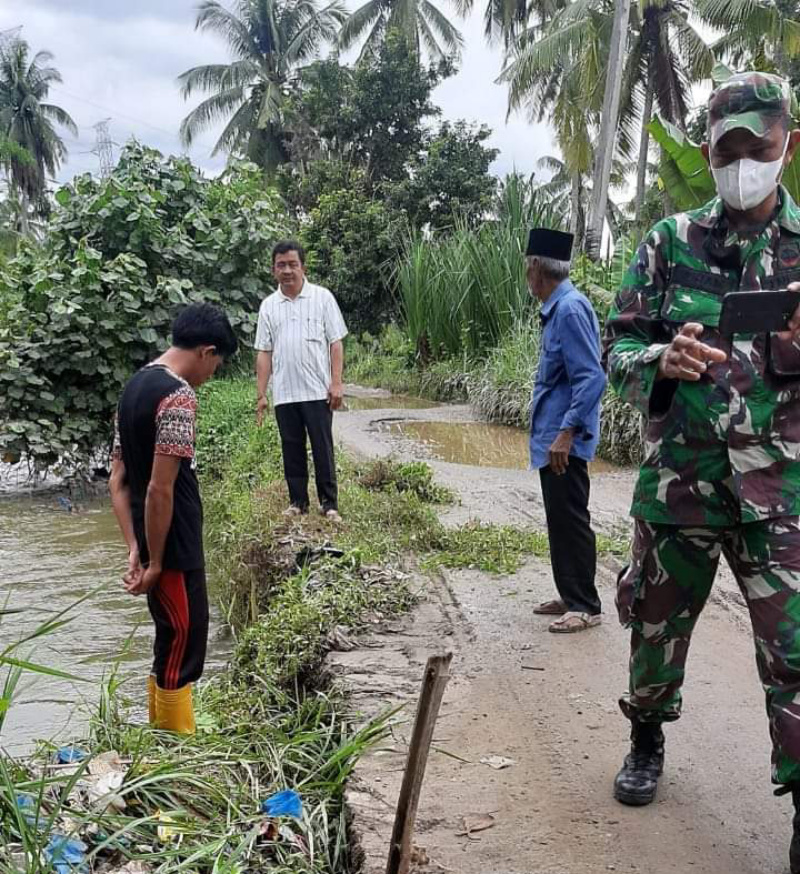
(409,476)
(461,294)
(96,299)
(498,549)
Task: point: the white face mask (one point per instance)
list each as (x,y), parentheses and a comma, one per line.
(746,183)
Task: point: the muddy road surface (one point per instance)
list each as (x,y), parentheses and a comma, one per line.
(548,703)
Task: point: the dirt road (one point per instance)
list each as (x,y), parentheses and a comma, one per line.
(548,702)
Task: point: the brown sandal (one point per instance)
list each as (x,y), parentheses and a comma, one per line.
(551,608)
(571,622)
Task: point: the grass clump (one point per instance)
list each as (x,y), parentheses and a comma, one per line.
(412,476)
(497,549)
(387,361)
(316,611)
(502,549)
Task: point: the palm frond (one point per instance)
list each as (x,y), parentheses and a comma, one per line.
(322,27)
(698,55)
(355,25)
(213,17)
(209,112)
(551,163)
(218,77)
(59,116)
(449,34)
(239,128)
(428,38)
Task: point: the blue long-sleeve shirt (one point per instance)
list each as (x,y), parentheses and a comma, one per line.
(570,380)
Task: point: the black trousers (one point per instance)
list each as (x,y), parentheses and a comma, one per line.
(573,551)
(295,421)
(179,607)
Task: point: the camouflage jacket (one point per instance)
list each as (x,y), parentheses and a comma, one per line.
(726,449)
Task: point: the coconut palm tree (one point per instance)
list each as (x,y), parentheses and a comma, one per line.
(759,34)
(665,58)
(419,21)
(28,122)
(270,40)
(557,70)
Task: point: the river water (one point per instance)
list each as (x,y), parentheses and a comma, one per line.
(49,559)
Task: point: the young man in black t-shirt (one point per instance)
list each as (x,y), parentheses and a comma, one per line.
(157,504)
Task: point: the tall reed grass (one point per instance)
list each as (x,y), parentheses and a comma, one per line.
(462,294)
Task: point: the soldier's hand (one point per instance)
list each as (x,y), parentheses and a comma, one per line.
(686,357)
(794,322)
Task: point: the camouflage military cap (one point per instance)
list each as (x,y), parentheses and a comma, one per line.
(753,101)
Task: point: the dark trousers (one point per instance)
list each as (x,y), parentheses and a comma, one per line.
(179,607)
(573,551)
(315,419)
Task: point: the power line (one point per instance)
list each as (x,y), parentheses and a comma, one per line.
(171,134)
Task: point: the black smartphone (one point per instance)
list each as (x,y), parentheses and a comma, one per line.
(757,312)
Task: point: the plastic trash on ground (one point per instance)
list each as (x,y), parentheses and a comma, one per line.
(69,755)
(168,831)
(26,805)
(99,788)
(284,803)
(67,855)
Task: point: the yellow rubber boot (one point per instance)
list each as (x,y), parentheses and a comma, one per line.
(174,708)
(151,699)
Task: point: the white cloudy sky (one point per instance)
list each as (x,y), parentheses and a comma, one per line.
(120,61)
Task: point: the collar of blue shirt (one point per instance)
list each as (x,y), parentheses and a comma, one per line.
(550,304)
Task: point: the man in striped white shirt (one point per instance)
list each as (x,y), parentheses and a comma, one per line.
(299,343)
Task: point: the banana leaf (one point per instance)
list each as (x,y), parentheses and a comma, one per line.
(684,173)
(683,170)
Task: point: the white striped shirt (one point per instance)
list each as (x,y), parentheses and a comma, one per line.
(299,332)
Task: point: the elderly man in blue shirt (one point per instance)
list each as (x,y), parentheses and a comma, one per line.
(565,427)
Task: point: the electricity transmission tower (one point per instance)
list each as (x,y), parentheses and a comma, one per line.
(103,147)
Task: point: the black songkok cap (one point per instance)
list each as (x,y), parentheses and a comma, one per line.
(546,243)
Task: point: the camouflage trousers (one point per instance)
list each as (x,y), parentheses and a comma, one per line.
(662,592)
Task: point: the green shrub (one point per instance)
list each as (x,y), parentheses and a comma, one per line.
(95,301)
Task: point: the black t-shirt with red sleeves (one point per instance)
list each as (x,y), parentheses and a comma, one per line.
(156,415)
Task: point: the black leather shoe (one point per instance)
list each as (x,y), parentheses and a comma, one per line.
(637,782)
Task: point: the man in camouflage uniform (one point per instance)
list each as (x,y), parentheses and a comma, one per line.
(721,468)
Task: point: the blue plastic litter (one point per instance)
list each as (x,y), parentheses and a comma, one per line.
(28,808)
(69,755)
(67,855)
(284,803)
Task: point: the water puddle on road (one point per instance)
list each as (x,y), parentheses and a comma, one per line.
(476,443)
(49,559)
(388,402)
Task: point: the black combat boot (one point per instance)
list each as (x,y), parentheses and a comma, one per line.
(637,782)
